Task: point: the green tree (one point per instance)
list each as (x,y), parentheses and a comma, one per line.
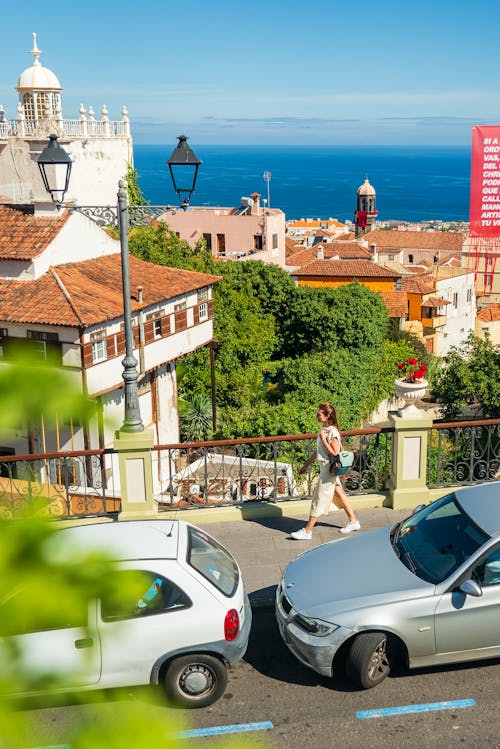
(470,374)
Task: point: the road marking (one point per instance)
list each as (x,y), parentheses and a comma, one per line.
(423,708)
(214,730)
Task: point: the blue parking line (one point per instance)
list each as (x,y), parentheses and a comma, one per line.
(423,708)
(215,730)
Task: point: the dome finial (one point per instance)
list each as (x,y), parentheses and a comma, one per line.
(35,51)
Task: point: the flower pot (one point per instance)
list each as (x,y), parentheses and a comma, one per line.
(410,390)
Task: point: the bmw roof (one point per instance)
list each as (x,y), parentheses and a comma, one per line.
(482,503)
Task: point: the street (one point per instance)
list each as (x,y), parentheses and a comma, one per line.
(269,685)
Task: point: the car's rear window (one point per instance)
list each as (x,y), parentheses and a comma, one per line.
(212,561)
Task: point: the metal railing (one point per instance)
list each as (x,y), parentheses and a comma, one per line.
(235,472)
(463,452)
(72,484)
(231,472)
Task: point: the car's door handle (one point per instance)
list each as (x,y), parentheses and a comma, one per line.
(87,642)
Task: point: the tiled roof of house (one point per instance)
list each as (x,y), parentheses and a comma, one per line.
(434,301)
(413,240)
(90,292)
(24,236)
(422,284)
(396,302)
(346,269)
(346,250)
(301,256)
(292,246)
(491,313)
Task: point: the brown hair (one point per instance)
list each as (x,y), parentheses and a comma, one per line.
(329,410)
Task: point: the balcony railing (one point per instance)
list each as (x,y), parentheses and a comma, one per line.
(70,128)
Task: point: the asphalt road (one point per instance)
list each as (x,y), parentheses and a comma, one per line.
(308,710)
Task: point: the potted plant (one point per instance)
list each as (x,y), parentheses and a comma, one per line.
(411,383)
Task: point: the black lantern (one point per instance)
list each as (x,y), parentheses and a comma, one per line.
(55,168)
(183,165)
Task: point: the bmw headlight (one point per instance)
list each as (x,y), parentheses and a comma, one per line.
(315,626)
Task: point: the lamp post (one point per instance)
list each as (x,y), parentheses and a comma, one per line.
(55,168)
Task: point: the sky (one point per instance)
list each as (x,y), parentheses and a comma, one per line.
(286,72)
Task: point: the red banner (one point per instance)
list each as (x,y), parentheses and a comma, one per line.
(485,182)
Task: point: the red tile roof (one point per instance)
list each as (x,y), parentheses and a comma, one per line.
(491,313)
(24,236)
(90,292)
(346,269)
(300,257)
(413,240)
(396,302)
(418,284)
(345,250)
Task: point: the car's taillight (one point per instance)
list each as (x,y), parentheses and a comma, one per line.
(231,625)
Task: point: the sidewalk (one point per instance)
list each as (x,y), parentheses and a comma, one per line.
(263,547)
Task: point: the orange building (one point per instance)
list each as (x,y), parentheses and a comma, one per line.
(334,273)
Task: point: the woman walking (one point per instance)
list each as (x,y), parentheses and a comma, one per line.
(328,490)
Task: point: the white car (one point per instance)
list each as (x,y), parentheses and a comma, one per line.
(191,621)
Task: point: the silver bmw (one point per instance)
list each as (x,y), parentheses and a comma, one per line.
(423,592)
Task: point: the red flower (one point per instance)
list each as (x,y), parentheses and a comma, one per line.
(411,361)
(401,365)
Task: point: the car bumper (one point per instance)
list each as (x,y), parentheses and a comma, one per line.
(312,651)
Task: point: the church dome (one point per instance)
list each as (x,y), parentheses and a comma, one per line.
(366,188)
(36,77)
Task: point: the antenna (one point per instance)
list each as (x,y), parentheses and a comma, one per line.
(267,178)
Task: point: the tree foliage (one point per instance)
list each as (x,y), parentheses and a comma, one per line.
(470,374)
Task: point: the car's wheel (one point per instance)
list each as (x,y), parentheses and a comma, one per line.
(195,680)
(368,659)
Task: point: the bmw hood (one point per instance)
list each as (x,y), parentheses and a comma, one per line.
(350,573)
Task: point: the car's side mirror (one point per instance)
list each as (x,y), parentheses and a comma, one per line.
(471,588)
(417,509)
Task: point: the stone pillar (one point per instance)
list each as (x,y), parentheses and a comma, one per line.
(136,474)
(408,482)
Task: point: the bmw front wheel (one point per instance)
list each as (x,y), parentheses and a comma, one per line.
(368,659)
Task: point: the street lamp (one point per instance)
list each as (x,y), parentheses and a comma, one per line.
(183,165)
(52,161)
(55,167)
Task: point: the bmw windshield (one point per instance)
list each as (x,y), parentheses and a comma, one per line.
(435,541)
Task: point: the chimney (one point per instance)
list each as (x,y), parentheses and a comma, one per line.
(319,252)
(256,203)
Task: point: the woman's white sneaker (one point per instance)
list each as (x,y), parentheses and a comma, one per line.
(302,535)
(350,527)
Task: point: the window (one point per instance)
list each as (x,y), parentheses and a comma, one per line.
(212,561)
(43,341)
(488,571)
(180,306)
(202,295)
(203,311)
(141,593)
(275,241)
(455,300)
(156,318)
(221,244)
(410,259)
(258,242)
(469,295)
(208,240)
(99,352)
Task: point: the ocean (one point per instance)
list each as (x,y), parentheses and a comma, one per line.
(413,183)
